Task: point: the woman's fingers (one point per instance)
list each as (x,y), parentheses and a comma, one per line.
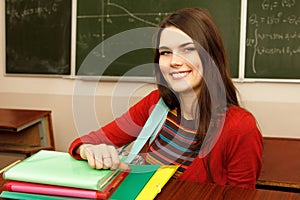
(102,156)
(123,166)
(82,152)
(114,158)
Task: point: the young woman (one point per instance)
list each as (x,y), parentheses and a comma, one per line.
(205,131)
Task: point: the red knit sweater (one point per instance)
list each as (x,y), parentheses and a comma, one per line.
(236,158)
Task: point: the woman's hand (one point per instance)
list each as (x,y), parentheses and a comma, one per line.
(102,156)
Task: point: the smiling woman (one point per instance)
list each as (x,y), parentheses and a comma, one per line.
(204,132)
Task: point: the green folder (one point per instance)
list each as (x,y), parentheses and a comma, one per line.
(59,168)
(134,182)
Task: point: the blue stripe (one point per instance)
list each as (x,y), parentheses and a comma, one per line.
(174,144)
(174,154)
(176,133)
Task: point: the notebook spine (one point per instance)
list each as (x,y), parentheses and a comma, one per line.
(112,186)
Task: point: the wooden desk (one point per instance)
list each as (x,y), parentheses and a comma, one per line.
(188,190)
(175,189)
(25,131)
(281,163)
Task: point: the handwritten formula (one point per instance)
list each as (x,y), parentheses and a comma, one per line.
(273,35)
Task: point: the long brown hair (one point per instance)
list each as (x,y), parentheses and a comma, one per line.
(200,26)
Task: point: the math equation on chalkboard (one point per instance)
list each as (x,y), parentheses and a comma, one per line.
(273,39)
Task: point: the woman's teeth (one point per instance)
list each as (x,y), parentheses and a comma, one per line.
(179,75)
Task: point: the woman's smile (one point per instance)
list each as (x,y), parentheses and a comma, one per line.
(180,75)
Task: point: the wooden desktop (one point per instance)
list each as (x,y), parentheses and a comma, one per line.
(176,189)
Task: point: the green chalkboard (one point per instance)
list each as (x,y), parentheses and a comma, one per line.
(38,36)
(98,20)
(273,39)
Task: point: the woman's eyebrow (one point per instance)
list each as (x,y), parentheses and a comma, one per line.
(180,46)
(163,48)
(186,44)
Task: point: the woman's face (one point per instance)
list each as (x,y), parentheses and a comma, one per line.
(179,61)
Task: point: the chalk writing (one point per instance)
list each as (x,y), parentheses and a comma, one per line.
(277,18)
(37,9)
(273,30)
(270,5)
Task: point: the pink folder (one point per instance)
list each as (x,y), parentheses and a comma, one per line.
(36,188)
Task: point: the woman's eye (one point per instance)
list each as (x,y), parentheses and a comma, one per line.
(188,49)
(165,52)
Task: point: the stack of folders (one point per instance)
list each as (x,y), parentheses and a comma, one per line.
(56,175)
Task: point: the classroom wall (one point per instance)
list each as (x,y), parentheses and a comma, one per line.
(276,106)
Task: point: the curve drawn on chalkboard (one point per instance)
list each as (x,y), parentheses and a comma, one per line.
(107,17)
(131,14)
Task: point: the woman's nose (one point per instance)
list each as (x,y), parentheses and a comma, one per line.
(176,60)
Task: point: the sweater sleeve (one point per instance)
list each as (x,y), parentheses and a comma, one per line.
(122,130)
(244,153)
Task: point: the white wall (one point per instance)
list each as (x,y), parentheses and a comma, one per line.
(275,105)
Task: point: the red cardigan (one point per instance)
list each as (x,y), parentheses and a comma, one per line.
(236,158)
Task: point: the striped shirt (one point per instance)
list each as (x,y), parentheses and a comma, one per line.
(174,143)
